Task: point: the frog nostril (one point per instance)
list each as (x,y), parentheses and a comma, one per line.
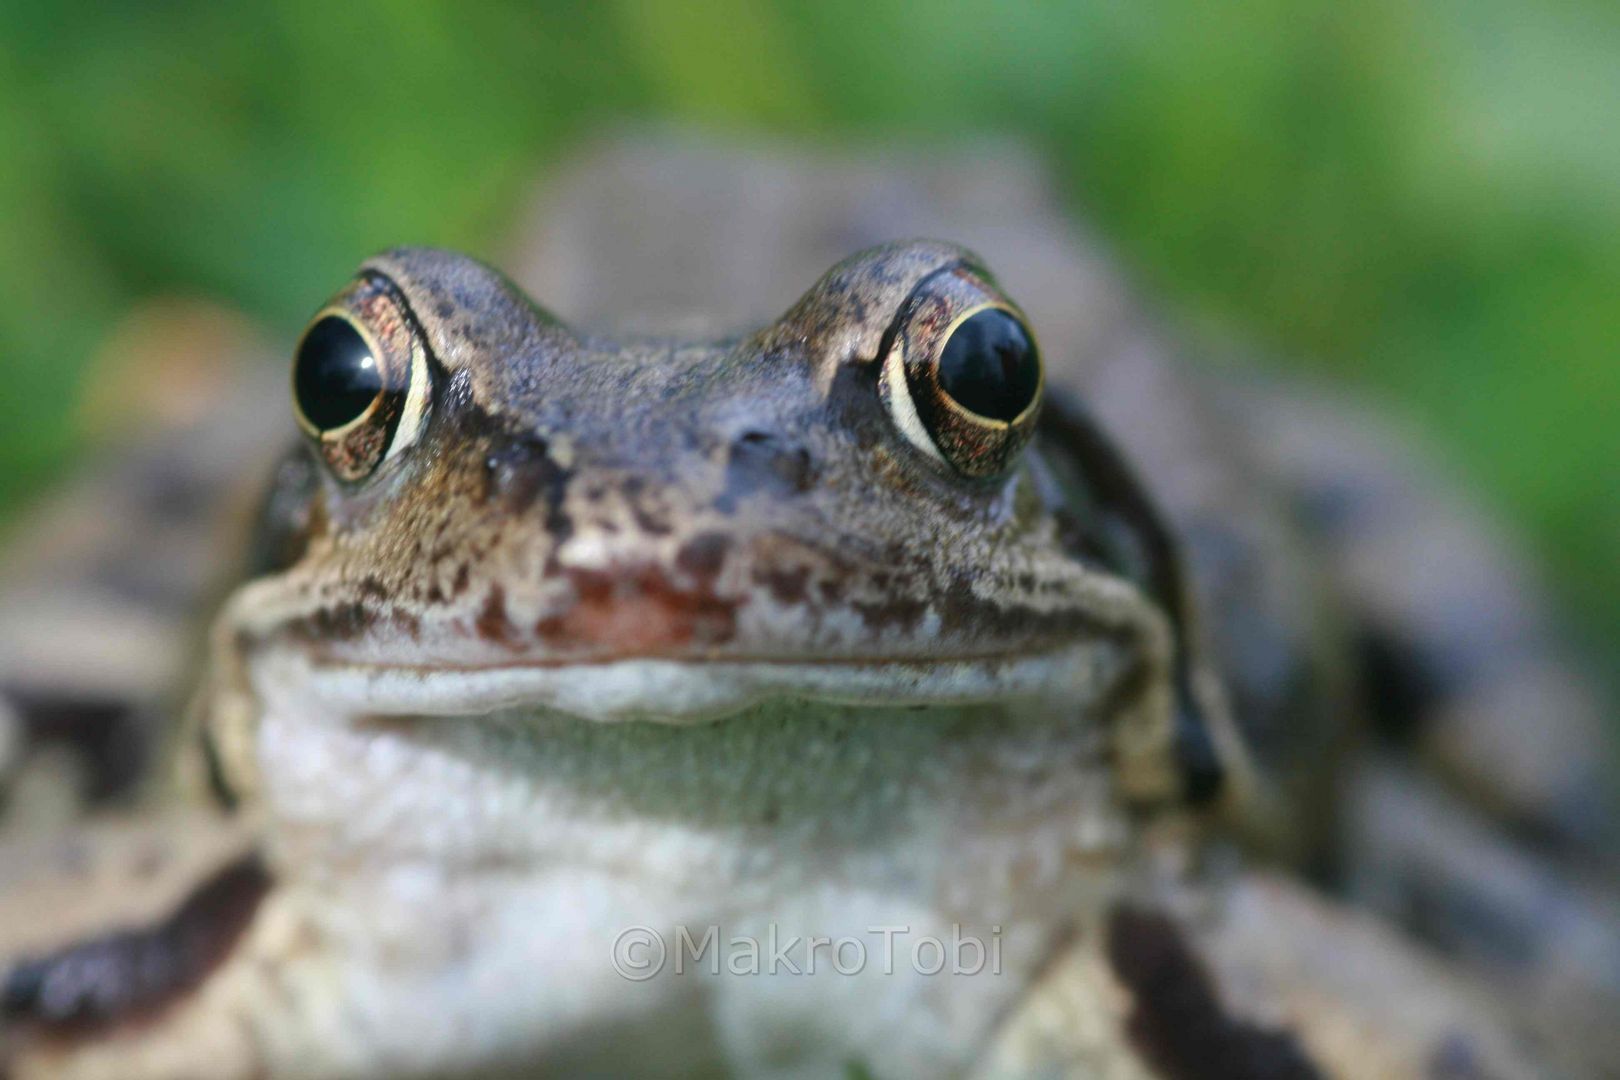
(522,472)
(759,461)
(519,470)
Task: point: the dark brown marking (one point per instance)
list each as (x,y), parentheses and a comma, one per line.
(133,975)
(899,612)
(1178,1023)
(703,555)
(111,737)
(343,622)
(407,624)
(788,586)
(648,519)
(493,622)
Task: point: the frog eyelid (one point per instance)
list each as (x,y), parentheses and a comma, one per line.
(897,392)
(419,389)
(908,306)
(903,410)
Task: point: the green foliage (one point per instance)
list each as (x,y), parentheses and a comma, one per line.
(1418,197)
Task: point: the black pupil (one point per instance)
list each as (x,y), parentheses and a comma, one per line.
(335,376)
(989,365)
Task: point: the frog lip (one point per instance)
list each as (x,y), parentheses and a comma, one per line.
(704,688)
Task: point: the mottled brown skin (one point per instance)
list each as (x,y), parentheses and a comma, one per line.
(730,458)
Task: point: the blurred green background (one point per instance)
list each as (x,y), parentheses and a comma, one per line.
(1419,197)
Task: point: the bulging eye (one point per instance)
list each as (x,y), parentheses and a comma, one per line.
(989,365)
(963,377)
(336,378)
(361,379)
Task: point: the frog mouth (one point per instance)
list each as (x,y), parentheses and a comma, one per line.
(696,690)
(630,646)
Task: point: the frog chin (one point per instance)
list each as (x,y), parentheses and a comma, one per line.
(494,769)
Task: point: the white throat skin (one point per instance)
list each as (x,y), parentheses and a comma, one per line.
(534,839)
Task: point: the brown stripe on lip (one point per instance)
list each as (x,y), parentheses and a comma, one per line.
(133,975)
(637,611)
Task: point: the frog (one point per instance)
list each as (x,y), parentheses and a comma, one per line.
(567,658)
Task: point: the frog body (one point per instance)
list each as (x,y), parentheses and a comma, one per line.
(560,634)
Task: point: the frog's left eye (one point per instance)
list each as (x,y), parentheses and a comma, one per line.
(361,379)
(963,377)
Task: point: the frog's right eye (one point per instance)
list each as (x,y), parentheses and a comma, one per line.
(361,379)
(335,379)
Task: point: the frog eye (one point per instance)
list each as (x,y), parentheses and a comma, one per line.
(989,367)
(360,379)
(963,376)
(336,380)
